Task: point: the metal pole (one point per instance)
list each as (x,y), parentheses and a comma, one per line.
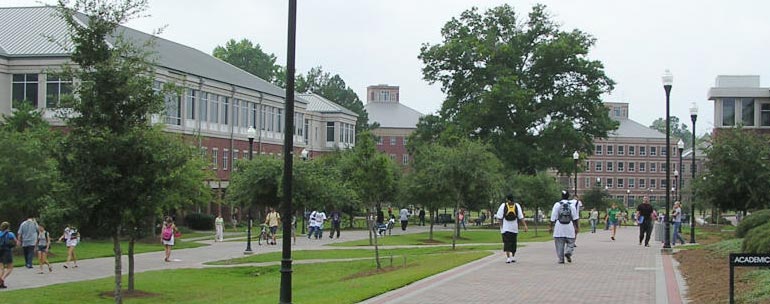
(681,180)
(288,148)
(667,242)
(248,231)
(692,183)
(576,169)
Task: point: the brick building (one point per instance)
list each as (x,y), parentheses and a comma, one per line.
(396,120)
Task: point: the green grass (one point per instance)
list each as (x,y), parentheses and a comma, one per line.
(90,249)
(352,254)
(334,283)
(445,237)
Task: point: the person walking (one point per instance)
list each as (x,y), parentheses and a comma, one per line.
(311,224)
(272,221)
(28,236)
(294,228)
(320,217)
(219,224)
(167,236)
(461,218)
(336,218)
(593,218)
(403,216)
(8,241)
(645,220)
(564,219)
(43,245)
(510,215)
(70,237)
(677,217)
(612,219)
(421,216)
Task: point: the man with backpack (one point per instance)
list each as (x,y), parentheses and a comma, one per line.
(7,242)
(510,215)
(564,225)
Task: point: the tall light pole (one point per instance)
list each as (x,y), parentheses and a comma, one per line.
(628,195)
(668,81)
(676,182)
(680,148)
(304,155)
(251,133)
(693,117)
(288,153)
(575,157)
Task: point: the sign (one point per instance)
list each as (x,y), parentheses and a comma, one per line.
(745,259)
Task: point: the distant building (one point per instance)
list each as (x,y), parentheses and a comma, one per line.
(739,100)
(630,163)
(396,120)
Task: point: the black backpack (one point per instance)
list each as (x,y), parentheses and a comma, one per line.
(565,213)
(510,212)
(6,241)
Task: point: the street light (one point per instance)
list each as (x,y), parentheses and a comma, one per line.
(628,194)
(575,157)
(693,117)
(304,155)
(288,151)
(674,188)
(680,147)
(668,81)
(251,133)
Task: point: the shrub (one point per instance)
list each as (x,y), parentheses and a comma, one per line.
(757,240)
(199,221)
(755,219)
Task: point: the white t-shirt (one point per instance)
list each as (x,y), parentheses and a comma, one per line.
(559,229)
(311,220)
(320,217)
(510,226)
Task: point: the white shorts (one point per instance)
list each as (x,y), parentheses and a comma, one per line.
(169,242)
(72,242)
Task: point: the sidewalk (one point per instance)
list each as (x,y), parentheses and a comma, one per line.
(603,271)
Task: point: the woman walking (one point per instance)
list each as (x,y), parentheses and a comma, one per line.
(43,245)
(71,238)
(219,223)
(9,241)
(167,236)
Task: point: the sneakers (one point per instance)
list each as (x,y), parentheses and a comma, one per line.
(507,260)
(568,257)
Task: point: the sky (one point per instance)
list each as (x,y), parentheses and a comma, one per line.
(370,42)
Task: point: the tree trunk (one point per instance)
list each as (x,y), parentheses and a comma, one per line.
(370,224)
(430,234)
(457,223)
(131,242)
(118,266)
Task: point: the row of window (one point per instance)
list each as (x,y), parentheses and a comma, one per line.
(630,182)
(745,110)
(630,150)
(404,158)
(392,140)
(24,87)
(610,166)
(224,162)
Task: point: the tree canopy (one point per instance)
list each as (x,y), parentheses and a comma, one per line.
(251,58)
(333,88)
(522,84)
(678,130)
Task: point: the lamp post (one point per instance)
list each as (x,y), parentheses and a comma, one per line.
(676,180)
(251,133)
(628,195)
(575,157)
(693,117)
(288,153)
(680,148)
(304,156)
(668,81)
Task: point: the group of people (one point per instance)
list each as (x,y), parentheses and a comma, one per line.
(34,241)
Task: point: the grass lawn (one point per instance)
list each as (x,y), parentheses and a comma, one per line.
(491,236)
(334,283)
(353,253)
(90,249)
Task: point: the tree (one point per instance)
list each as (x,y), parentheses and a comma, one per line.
(334,88)
(737,185)
(523,85)
(677,130)
(115,161)
(539,191)
(30,179)
(249,57)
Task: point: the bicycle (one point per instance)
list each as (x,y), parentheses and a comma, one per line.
(264,235)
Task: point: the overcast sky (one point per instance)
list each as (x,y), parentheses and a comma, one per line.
(377,42)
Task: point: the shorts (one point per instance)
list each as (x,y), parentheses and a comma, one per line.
(41,248)
(6,256)
(72,242)
(509,241)
(169,242)
(273,230)
(614,223)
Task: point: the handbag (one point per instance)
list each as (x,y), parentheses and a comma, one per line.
(177,234)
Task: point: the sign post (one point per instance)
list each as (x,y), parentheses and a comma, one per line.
(744,260)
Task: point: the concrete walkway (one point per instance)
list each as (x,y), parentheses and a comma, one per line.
(602,271)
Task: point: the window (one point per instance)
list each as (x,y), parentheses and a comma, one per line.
(608,183)
(653,167)
(631,150)
(173,105)
(653,151)
(587,182)
(279,121)
(598,150)
(384,96)
(379,140)
(24,87)
(728,111)
(609,166)
(404,141)
(55,88)
(764,114)
(214,158)
(598,166)
(236,112)
(226,110)
(631,166)
(190,104)
(621,150)
(610,150)
(235,159)
(392,140)
(747,111)
(588,166)
(204,152)
(392,157)
(203,106)
(405,160)
(642,151)
(664,151)
(663,184)
(642,166)
(620,182)
(225,159)
(307,129)
(214,104)
(330,131)
(621,166)
(631,183)
(642,183)
(652,183)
